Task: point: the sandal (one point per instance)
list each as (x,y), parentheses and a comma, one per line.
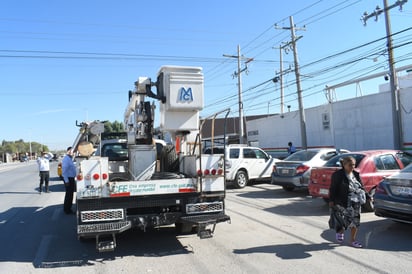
(356,244)
(340,237)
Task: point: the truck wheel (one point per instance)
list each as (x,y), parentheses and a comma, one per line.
(241,179)
(288,188)
(169,161)
(183,228)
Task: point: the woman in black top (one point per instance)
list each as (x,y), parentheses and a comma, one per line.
(347,194)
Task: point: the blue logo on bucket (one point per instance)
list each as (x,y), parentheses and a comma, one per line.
(186,95)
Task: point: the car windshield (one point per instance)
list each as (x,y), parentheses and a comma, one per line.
(115,151)
(407,169)
(335,161)
(405,157)
(303,155)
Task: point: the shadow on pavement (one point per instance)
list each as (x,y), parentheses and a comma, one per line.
(288,251)
(47,238)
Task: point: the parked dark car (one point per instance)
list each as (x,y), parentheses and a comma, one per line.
(373,166)
(294,171)
(393,196)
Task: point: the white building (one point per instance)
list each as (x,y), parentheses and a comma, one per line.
(356,124)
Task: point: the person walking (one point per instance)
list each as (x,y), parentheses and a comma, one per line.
(291,148)
(68,173)
(346,195)
(44,170)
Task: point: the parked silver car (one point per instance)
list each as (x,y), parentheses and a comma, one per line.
(294,171)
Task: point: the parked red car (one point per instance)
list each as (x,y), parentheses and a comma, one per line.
(373,166)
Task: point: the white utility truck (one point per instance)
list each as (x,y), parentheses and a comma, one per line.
(179,185)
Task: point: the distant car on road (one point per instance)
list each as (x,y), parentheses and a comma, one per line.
(373,166)
(24,159)
(393,196)
(294,171)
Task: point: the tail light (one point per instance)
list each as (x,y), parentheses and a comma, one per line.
(104,176)
(301,169)
(212,171)
(96,176)
(79,177)
(380,189)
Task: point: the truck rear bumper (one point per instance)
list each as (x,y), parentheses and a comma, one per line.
(205,219)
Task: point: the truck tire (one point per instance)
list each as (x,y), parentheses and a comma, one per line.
(288,188)
(241,179)
(169,161)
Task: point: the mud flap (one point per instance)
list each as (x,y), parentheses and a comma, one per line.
(205,224)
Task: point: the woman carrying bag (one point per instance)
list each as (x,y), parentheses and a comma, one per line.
(346,196)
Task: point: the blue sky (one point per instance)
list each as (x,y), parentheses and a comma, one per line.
(62,61)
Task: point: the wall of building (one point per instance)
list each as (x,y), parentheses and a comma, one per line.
(359,123)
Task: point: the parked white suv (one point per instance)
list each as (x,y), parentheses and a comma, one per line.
(245,163)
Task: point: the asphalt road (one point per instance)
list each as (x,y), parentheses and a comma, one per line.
(272,231)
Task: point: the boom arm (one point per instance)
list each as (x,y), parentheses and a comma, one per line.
(139,115)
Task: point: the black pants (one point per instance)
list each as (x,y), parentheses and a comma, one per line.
(68,198)
(44,179)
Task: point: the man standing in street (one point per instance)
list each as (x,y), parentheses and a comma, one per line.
(44,170)
(69,173)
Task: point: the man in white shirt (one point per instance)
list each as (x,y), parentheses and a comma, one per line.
(44,170)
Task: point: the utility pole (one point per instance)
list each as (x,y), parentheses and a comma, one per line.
(282,103)
(242,137)
(279,78)
(298,87)
(395,100)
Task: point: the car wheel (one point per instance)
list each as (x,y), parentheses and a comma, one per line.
(241,179)
(288,188)
(369,206)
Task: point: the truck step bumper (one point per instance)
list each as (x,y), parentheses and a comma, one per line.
(103,228)
(205,219)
